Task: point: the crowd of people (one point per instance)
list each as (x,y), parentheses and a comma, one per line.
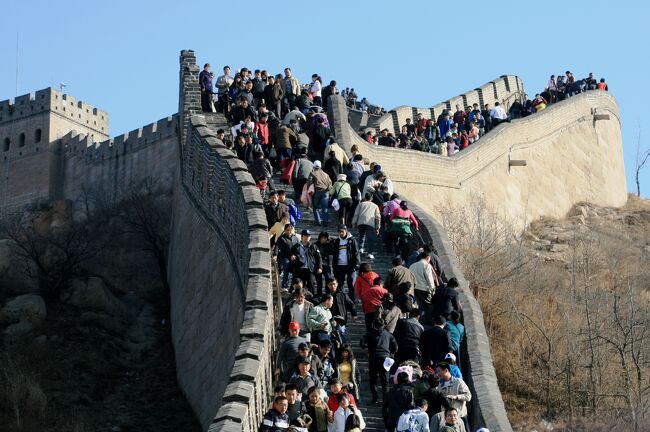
(412,315)
(454,131)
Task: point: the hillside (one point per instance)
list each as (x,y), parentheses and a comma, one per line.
(568,316)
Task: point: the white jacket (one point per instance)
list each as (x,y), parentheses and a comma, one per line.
(341,415)
(367,213)
(424,279)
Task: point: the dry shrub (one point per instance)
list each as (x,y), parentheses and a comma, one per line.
(570,338)
(21,395)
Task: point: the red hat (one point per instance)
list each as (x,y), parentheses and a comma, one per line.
(293,325)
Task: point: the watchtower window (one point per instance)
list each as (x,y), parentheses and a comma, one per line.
(38,135)
(7,144)
(21,140)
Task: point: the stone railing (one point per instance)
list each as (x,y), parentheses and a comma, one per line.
(486,408)
(221,296)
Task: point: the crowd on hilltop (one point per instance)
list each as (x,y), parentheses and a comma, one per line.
(412,314)
(454,131)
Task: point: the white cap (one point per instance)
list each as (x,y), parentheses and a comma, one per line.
(317,164)
(482,430)
(452,357)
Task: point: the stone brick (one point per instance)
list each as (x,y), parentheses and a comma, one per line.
(239,391)
(250,348)
(258,293)
(244,369)
(234,411)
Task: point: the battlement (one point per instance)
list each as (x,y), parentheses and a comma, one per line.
(77,145)
(50,100)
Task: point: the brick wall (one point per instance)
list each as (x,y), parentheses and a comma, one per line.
(570,157)
(222,306)
(396,117)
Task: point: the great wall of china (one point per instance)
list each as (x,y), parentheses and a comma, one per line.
(219,263)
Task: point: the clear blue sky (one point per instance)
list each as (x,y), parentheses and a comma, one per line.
(122,56)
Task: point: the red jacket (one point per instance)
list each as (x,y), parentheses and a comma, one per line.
(371,299)
(363,282)
(333,401)
(263,132)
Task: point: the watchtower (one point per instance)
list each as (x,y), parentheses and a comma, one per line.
(30,150)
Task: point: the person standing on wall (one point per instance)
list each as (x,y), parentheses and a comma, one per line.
(223,85)
(205,83)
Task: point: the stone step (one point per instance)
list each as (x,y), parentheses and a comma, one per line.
(356,329)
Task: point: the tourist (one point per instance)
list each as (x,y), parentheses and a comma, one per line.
(276,419)
(348,371)
(318,410)
(291,90)
(327,92)
(306,261)
(345,410)
(296,310)
(319,320)
(380,345)
(445,298)
(367,219)
(364,280)
(288,352)
(304,379)
(276,212)
(407,334)
(389,312)
(425,284)
(397,275)
(455,390)
(342,305)
(282,254)
(402,221)
(295,408)
(398,399)
(322,184)
(371,298)
(205,84)
(342,192)
(337,390)
(416,419)
(301,172)
(456,332)
(345,259)
(435,342)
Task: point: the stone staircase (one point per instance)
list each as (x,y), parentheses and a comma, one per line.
(381,264)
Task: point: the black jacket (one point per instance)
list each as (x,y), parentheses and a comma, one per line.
(283,246)
(352,248)
(276,214)
(313,258)
(342,305)
(407,333)
(333,168)
(444,301)
(435,343)
(398,399)
(380,343)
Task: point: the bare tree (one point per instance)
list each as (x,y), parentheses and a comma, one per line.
(143,215)
(641,160)
(52,255)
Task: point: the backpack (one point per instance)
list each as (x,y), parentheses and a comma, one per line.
(408,421)
(400,226)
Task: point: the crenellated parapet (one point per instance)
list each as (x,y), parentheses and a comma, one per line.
(59,104)
(83,147)
(505,90)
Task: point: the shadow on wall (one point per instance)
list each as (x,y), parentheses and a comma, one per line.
(219,267)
